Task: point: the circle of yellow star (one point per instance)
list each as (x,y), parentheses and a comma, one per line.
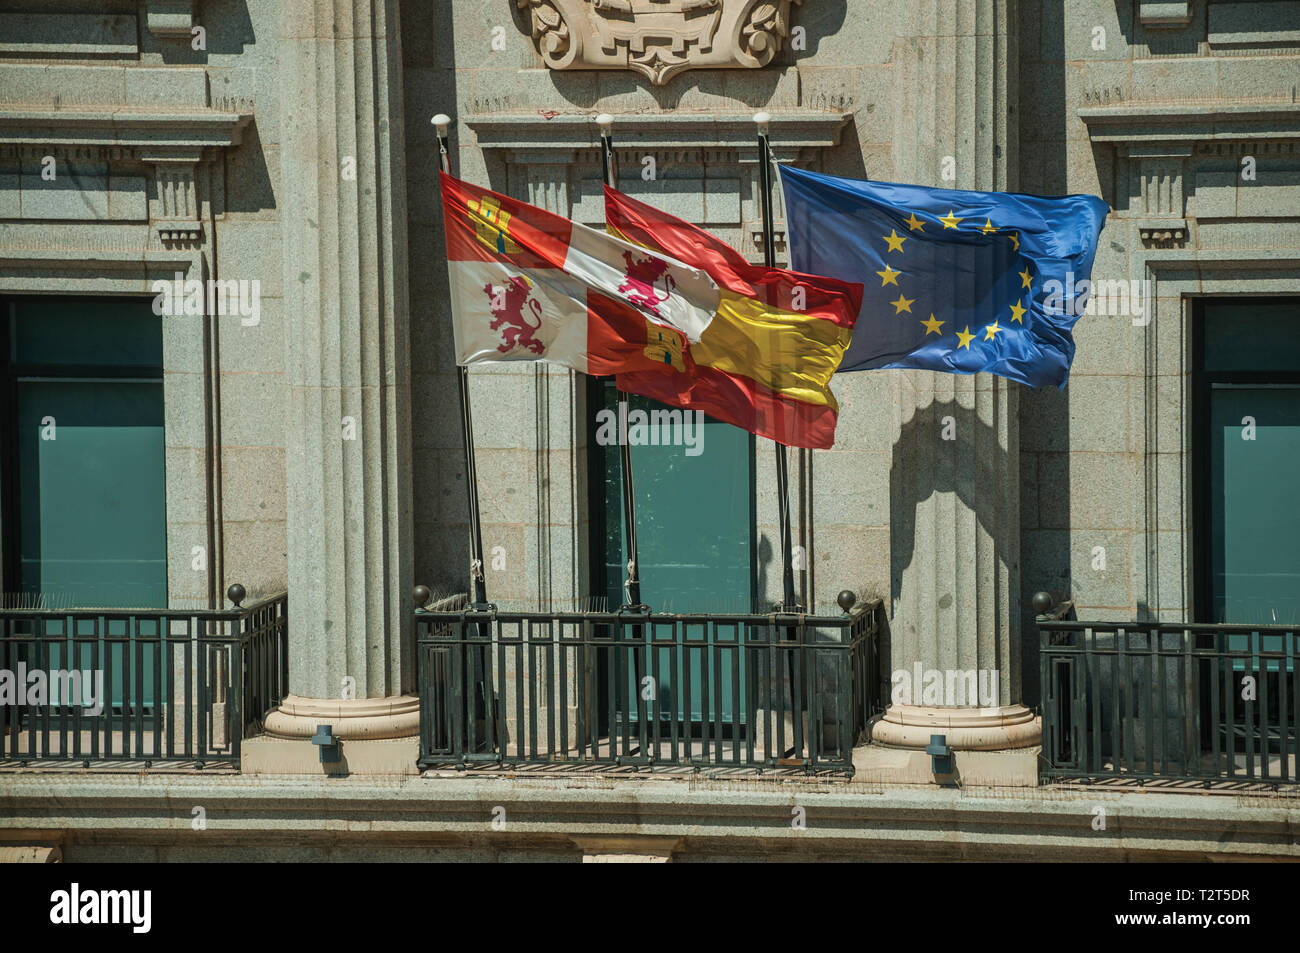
(1025,276)
(965,338)
(894,240)
(889,276)
(990,330)
(903,304)
(949,220)
(988,226)
(932,326)
(915,224)
(1017,312)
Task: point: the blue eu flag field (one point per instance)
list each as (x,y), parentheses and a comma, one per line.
(955,280)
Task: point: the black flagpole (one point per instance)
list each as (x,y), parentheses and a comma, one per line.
(782,476)
(633,584)
(476,574)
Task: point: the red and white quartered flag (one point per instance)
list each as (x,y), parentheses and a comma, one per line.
(529,285)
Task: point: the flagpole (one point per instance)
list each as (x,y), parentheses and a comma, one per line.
(763,122)
(633,584)
(476,574)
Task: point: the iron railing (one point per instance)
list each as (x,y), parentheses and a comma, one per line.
(1149,700)
(150,685)
(645,689)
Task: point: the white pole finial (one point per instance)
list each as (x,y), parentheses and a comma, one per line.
(441,122)
(606,123)
(763,121)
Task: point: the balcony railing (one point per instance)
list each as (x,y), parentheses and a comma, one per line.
(1147,700)
(140,685)
(646,689)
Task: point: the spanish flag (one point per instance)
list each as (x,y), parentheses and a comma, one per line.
(764,363)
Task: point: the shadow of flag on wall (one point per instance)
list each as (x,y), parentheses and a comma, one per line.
(957,281)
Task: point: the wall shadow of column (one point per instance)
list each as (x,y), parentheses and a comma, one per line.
(1045,552)
(441,508)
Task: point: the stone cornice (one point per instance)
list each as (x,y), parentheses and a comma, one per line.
(1137,121)
(186,129)
(533,132)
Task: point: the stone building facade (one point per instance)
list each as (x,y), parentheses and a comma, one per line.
(318,447)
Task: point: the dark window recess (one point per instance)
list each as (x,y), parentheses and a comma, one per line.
(84,485)
(1246,449)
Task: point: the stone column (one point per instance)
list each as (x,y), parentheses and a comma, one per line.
(954,482)
(348,454)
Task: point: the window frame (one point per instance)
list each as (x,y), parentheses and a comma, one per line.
(1203,382)
(11,374)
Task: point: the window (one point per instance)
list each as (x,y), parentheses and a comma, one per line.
(694,505)
(84,482)
(1247,460)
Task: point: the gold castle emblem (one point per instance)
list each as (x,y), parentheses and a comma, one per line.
(664,346)
(492,226)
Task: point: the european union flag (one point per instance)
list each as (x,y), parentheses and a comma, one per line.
(955,281)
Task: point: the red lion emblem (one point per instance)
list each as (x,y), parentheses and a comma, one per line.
(508,309)
(639,282)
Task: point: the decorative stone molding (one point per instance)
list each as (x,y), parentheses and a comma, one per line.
(177,201)
(1163,234)
(123,127)
(171,19)
(1160,169)
(658,38)
(778,240)
(966,729)
(1169,153)
(1138,121)
(721,131)
(1163,14)
(373,718)
(557,162)
(179,232)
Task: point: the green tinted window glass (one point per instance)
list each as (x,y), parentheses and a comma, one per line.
(1252,336)
(693,509)
(693,480)
(1254,543)
(122,332)
(91,487)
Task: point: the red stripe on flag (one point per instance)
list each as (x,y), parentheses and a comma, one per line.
(618,338)
(738,400)
(514,232)
(827,298)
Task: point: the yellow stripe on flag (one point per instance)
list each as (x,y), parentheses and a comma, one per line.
(791,353)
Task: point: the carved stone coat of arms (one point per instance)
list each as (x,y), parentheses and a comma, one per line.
(659,38)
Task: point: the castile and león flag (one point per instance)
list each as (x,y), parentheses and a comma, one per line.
(529,285)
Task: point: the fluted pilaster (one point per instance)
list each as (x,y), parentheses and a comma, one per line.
(348,460)
(955,537)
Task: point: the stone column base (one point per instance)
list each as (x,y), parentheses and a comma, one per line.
(359,718)
(1012,767)
(377,736)
(384,756)
(966,729)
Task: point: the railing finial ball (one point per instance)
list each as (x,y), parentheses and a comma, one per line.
(847,599)
(1043,602)
(236,594)
(421,596)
